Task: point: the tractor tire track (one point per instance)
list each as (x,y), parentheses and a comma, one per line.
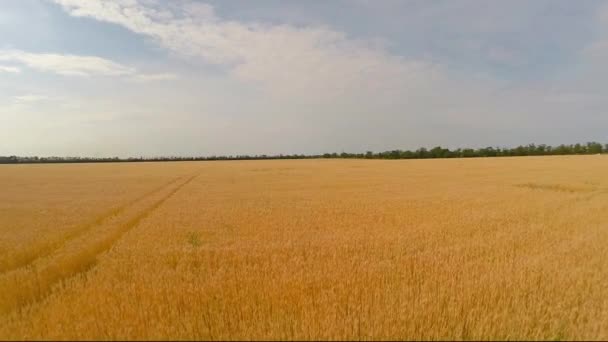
(42,251)
(32,283)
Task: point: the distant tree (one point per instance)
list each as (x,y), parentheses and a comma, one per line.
(421,153)
(594,148)
(9,160)
(438,152)
(468,153)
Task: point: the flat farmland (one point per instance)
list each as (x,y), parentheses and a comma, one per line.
(490,248)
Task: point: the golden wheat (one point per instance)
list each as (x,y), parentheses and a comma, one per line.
(508,248)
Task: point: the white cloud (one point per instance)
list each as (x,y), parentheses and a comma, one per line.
(73,65)
(31,98)
(69,65)
(9,69)
(155,77)
(285,60)
(603,16)
(597,51)
(310,89)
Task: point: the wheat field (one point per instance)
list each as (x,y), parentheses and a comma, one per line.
(494,248)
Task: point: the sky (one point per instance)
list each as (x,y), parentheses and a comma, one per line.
(185,77)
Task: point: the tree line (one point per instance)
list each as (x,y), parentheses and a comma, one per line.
(421,153)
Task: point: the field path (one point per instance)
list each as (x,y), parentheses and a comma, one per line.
(36,280)
(53,246)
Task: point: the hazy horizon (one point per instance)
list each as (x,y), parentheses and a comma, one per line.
(133,78)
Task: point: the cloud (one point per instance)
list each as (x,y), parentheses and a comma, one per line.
(597,51)
(505,56)
(310,88)
(67,65)
(31,98)
(603,16)
(73,65)
(155,77)
(314,62)
(9,69)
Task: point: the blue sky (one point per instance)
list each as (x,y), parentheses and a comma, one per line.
(153,77)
